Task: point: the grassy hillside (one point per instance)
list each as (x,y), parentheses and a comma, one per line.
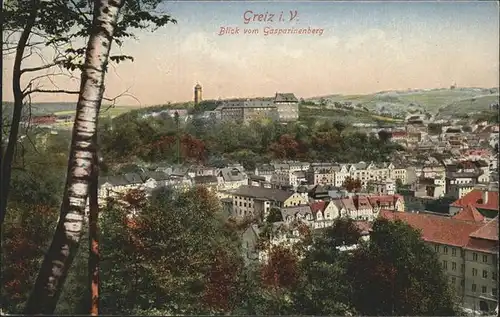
(429,100)
(64,108)
(469,105)
(308,112)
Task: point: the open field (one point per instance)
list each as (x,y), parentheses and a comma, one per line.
(66,108)
(470,105)
(429,100)
(344,115)
(112,112)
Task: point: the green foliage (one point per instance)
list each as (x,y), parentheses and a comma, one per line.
(322,289)
(397,273)
(274,215)
(205,105)
(38,178)
(166,262)
(154,139)
(26,234)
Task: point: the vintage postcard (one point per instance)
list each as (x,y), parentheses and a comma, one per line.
(250,157)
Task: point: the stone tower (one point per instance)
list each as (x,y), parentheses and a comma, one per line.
(197,94)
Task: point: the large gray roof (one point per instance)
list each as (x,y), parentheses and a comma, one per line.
(132,178)
(232,174)
(262,193)
(285,97)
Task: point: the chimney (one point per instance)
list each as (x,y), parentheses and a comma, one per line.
(485,196)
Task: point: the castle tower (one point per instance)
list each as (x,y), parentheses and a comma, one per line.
(197,94)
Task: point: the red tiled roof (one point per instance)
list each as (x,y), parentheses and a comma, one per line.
(364,226)
(437,229)
(383,199)
(317,206)
(348,204)
(361,202)
(487,246)
(487,232)
(396,134)
(475,198)
(469,213)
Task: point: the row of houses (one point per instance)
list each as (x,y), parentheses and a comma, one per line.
(251,201)
(295,174)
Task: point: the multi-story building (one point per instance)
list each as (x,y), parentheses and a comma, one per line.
(321,174)
(341,175)
(231,178)
(288,178)
(287,106)
(467,248)
(257,201)
(283,107)
(383,187)
(461,178)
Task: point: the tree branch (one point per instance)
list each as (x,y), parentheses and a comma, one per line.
(76,92)
(39,68)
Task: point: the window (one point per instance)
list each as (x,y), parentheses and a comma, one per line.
(474,256)
(485,274)
(484,289)
(485,258)
(473,287)
(445,264)
(436,248)
(453,252)
(474,272)
(494,292)
(494,276)
(462,268)
(244,204)
(462,283)
(453,280)
(445,250)
(453,266)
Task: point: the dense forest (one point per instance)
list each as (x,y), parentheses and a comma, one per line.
(131,138)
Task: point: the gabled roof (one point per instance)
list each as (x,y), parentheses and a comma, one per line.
(348,204)
(158,176)
(475,198)
(434,228)
(232,174)
(487,232)
(285,97)
(205,179)
(293,211)
(361,202)
(318,206)
(469,213)
(133,178)
(263,193)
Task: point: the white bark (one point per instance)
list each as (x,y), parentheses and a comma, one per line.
(66,239)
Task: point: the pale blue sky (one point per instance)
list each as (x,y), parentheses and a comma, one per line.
(365,47)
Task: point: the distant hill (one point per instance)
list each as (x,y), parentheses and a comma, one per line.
(42,108)
(469,105)
(61,108)
(423,100)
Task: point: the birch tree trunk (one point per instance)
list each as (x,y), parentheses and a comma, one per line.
(66,240)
